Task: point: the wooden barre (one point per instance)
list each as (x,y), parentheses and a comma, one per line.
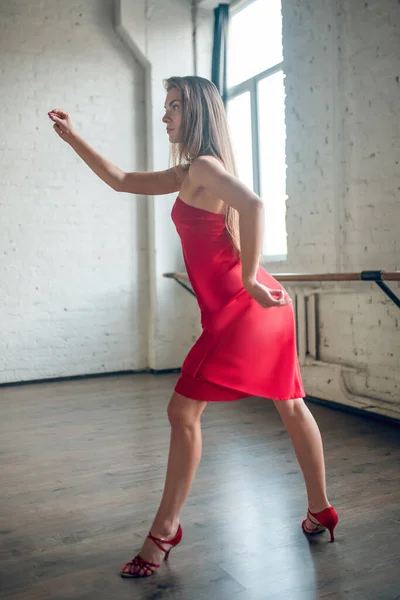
(379,277)
(362,276)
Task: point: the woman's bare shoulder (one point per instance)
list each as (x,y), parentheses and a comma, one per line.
(206,161)
(181,173)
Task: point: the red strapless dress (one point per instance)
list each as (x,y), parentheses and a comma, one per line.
(244,350)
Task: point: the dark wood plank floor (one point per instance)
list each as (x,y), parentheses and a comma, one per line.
(82,470)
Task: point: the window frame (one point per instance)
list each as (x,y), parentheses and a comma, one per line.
(251,85)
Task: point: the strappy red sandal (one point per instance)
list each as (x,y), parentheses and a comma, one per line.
(145,568)
(325,519)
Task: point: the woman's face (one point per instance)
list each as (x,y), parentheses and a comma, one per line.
(173,114)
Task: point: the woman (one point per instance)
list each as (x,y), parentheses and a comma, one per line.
(248,346)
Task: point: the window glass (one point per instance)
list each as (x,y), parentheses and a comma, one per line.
(272,139)
(239,118)
(255,40)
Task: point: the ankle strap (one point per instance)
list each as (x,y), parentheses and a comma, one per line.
(159,541)
(309,515)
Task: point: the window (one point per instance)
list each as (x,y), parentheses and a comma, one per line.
(256,102)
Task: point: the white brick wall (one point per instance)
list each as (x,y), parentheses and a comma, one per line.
(343,151)
(82,288)
(342,112)
(370,64)
(73,253)
(160,32)
(309,55)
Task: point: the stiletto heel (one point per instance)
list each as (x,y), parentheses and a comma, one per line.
(325,519)
(149,568)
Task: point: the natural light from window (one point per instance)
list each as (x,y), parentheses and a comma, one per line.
(255,40)
(240,126)
(271,121)
(256,112)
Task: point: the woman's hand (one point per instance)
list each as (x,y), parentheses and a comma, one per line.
(267,297)
(62,124)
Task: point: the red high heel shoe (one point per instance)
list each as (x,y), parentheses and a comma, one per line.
(149,568)
(325,519)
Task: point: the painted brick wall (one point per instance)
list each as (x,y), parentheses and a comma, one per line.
(369,50)
(343,179)
(73,253)
(159,32)
(342,113)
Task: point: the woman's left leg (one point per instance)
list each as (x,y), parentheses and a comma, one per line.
(184,457)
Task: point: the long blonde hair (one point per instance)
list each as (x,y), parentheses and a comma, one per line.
(204,132)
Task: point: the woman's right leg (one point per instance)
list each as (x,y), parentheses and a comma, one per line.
(307,443)
(184,458)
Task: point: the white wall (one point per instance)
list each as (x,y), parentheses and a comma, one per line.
(342,59)
(204,28)
(159,33)
(81,266)
(73,253)
(370,71)
(342,62)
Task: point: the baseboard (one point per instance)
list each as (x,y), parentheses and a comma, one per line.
(90,376)
(353,410)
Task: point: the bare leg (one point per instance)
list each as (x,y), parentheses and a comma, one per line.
(184,458)
(307,443)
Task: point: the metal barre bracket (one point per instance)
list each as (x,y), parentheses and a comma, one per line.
(371,275)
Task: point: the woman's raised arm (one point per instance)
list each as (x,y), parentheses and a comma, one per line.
(151,184)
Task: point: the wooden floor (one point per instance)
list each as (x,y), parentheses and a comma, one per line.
(82,470)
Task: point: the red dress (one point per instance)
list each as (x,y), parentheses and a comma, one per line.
(245,349)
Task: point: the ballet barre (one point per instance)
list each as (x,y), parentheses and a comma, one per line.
(181,278)
(379,277)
